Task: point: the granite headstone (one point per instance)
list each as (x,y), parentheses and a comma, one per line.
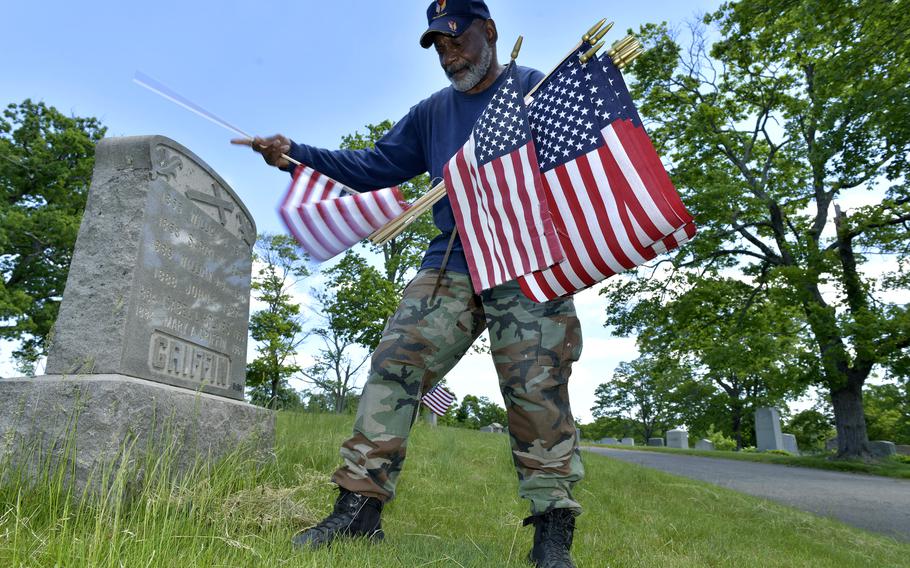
(150,343)
(790,444)
(767,430)
(678,438)
(656,442)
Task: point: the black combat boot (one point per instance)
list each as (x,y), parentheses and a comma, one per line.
(552,539)
(355,515)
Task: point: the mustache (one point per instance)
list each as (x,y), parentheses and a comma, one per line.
(454,68)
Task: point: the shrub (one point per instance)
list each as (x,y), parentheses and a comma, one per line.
(721,442)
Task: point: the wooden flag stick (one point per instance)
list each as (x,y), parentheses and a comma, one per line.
(164,91)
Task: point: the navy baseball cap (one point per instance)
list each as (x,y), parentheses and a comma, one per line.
(452,18)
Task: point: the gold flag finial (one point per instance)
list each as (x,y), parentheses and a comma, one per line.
(599,36)
(593,30)
(590,53)
(517,48)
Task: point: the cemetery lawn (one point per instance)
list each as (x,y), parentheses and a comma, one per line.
(458,507)
(885,468)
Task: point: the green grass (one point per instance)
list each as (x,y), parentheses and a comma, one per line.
(458,507)
(884,468)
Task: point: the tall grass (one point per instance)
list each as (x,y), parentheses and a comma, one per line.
(457,508)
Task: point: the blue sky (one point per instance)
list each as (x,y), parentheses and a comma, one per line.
(313,71)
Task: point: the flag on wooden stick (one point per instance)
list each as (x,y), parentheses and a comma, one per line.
(494,186)
(438,399)
(612,202)
(326,218)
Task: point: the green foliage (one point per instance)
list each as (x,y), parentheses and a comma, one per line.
(358,300)
(887,409)
(609,426)
(798,104)
(46,162)
(277,329)
(642,392)
(812,429)
(475,412)
(721,442)
(778,452)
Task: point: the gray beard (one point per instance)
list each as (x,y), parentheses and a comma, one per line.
(476,72)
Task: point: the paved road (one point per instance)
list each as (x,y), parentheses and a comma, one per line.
(879,504)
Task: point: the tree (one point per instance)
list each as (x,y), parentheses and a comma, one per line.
(46,162)
(641,391)
(745,348)
(278,328)
(812,428)
(475,412)
(888,412)
(798,104)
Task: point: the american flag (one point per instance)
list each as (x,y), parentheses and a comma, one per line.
(611,199)
(438,399)
(494,186)
(326,220)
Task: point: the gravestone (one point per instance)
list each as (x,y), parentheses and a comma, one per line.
(628,441)
(656,442)
(903,450)
(831,444)
(678,438)
(882,448)
(704,444)
(790,444)
(767,430)
(150,341)
(494,427)
(608,441)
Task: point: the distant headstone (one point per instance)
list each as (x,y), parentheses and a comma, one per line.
(678,438)
(831,444)
(790,444)
(656,442)
(493,427)
(150,342)
(882,449)
(903,450)
(704,444)
(610,441)
(767,430)
(628,441)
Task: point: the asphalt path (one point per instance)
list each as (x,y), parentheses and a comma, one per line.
(878,504)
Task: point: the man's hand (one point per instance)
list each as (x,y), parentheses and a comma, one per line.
(271,148)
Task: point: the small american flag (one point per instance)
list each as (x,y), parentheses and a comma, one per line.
(326,220)
(494,186)
(612,201)
(438,399)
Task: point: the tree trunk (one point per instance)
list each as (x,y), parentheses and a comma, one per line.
(737,419)
(852,440)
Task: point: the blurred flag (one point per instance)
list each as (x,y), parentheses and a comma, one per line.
(493,183)
(326,220)
(438,399)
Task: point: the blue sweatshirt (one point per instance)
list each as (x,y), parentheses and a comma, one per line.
(422,141)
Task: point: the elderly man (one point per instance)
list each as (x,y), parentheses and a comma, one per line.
(533,344)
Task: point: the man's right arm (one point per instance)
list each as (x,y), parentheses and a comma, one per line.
(397,157)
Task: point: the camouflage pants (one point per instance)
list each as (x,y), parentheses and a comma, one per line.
(533,347)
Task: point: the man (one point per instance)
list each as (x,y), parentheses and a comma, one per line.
(533,344)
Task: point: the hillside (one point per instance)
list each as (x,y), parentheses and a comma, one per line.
(458,507)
